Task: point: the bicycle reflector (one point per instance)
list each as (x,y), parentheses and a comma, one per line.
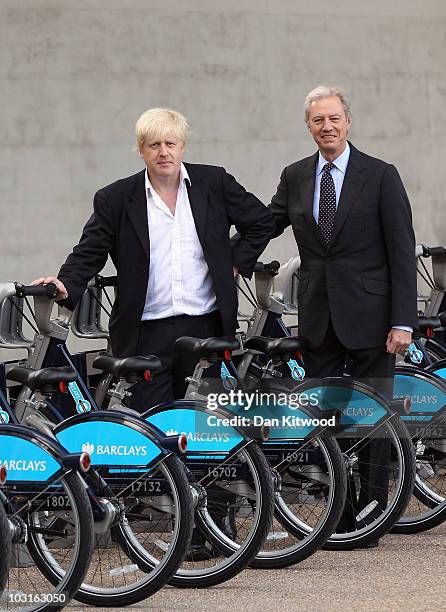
(227,355)
(182,443)
(77,461)
(3,474)
(175,443)
(63,387)
(401,405)
(429,332)
(147,375)
(265,430)
(84,462)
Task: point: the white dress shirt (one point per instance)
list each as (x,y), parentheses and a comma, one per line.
(179,278)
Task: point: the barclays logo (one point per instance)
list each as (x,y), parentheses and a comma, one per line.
(201,436)
(357,411)
(88,448)
(116,450)
(22,465)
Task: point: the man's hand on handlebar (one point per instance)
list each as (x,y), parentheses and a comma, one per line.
(62,293)
(398,341)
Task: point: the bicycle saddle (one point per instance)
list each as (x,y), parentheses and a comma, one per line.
(44,380)
(284,348)
(209,347)
(127,365)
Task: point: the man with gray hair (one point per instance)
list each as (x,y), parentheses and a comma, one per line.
(166,230)
(352,223)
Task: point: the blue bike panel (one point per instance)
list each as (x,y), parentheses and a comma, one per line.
(202,434)
(109,443)
(441,372)
(25,460)
(425,396)
(356,408)
(294,424)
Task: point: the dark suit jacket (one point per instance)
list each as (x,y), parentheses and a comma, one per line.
(366,279)
(118,226)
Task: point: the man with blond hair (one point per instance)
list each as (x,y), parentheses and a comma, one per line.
(166,230)
(352,223)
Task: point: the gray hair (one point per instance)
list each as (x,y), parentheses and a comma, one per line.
(327,91)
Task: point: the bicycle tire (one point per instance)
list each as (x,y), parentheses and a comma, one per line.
(234,557)
(404,482)
(43,548)
(427,508)
(148,578)
(427,519)
(310,538)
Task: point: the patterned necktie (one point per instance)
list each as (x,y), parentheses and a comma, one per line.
(327,203)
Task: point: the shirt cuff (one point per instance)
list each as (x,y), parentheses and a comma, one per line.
(403,327)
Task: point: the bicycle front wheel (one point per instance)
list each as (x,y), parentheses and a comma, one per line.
(309,499)
(374,521)
(48,568)
(427,507)
(234,519)
(147,543)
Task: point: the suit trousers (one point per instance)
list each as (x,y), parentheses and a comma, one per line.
(157,337)
(375,367)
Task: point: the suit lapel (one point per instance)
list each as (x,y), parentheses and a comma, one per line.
(198,196)
(137,211)
(306,188)
(354,180)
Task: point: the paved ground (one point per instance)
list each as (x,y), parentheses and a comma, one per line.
(404,573)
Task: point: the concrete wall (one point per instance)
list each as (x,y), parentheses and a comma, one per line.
(74,77)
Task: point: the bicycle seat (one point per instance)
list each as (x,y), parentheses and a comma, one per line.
(127,365)
(285,348)
(209,347)
(45,380)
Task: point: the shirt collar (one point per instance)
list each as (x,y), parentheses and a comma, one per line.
(184,176)
(340,162)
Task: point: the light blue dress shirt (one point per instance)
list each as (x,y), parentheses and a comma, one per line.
(338,175)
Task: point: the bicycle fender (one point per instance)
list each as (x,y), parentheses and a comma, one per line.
(438,368)
(25,458)
(358,405)
(203,430)
(110,439)
(428,396)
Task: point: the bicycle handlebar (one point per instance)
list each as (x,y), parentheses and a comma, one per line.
(272,267)
(49,291)
(424,251)
(436,251)
(105,281)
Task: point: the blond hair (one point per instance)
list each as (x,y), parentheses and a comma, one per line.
(158,123)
